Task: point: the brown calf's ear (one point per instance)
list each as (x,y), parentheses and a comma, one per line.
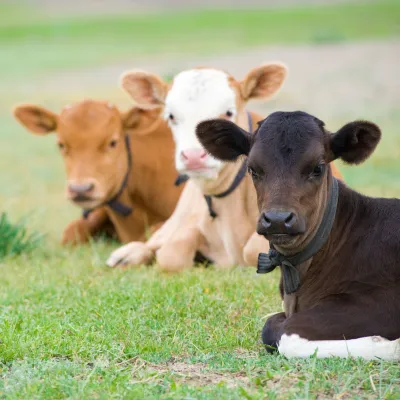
(147,90)
(131,118)
(223,139)
(355,141)
(263,82)
(36,119)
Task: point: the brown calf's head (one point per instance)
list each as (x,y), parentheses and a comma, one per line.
(288,159)
(90,136)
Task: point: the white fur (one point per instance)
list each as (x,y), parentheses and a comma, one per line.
(197,95)
(369,348)
(133,253)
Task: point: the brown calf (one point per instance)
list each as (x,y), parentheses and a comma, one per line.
(119,165)
(339,251)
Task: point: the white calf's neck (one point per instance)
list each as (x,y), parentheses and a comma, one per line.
(368,348)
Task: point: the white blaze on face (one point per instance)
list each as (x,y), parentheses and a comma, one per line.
(197,95)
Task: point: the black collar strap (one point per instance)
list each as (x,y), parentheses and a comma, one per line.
(238,178)
(291,277)
(182,178)
(236,182)
(113,203)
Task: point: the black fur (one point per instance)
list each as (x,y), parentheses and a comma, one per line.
(223,139)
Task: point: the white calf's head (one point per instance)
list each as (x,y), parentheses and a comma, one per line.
(197,95)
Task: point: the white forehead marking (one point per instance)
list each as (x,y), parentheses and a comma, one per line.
(200,93)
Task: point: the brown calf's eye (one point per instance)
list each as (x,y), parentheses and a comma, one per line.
(113,143)
(61,146)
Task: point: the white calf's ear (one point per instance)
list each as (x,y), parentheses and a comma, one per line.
(263,82)
(147,90)
(36,119)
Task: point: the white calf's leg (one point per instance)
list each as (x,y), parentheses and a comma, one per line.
(134,253)
(369,348)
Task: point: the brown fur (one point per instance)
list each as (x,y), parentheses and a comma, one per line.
(91,139)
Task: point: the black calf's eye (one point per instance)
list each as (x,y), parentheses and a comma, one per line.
(318,170)
(253,174)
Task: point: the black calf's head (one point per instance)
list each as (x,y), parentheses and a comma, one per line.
(288,159)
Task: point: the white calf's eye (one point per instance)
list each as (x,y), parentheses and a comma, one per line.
(229,113)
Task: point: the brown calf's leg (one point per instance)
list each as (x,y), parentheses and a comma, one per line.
(81,230)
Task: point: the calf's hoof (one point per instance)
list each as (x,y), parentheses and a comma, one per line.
(134,253)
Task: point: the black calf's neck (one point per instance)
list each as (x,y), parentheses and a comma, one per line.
(362,249)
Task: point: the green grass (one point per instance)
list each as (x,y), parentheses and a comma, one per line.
(49,40)
(72,328)
(14,237)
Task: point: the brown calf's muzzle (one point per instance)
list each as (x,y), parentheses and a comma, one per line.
(82,192)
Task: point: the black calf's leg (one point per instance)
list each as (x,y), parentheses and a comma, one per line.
(272,331)
(350,316)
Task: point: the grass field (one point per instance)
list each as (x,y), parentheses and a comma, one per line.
(70,327)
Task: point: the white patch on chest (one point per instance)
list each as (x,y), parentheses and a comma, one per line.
(197,95)
(369,348)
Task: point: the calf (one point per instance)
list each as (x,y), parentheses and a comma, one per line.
(119,166)
(216,213)
(339,251)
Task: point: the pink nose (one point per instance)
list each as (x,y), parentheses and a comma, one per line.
(194,158)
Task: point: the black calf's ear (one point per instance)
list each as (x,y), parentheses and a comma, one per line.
(223,139)
(355,141)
